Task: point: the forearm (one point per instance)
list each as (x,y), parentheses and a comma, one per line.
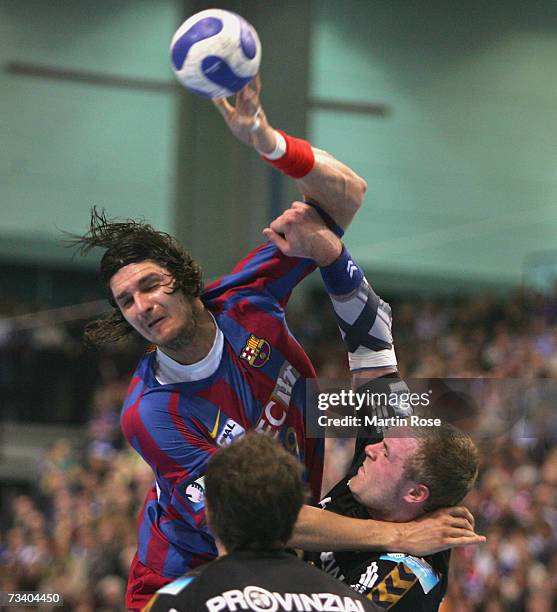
(332,185)
(364,318)
(318,530)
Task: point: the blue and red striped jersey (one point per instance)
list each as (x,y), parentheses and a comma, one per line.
(260,383)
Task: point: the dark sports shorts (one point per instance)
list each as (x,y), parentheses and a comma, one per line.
(143,583)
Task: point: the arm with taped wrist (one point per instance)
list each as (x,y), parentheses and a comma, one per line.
(319,176)
(363,317)
(365,322)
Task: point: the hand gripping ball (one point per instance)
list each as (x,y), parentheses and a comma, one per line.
(215,53)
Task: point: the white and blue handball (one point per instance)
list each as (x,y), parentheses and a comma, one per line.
(215,53)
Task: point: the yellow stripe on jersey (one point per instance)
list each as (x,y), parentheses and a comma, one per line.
(150,604)
(393,587)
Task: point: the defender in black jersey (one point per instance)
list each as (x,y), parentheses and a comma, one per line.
(254,491)
(391,580)
(377,487)
(258,580)
(398,477)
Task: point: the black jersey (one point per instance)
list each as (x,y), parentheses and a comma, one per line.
(391,580)
(394,581)
(248,580)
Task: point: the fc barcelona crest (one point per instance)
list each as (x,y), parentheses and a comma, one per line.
(256,352)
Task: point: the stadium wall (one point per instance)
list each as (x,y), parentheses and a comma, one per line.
(461,167)
(86,117)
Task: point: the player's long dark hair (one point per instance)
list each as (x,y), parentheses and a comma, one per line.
(127,242)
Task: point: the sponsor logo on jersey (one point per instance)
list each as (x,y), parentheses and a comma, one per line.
(392,587)
(215,430)
(367,579)
(230,432)
(274,415)
(276,410)
(291,442)
(259,599)
(256,352)
(194,492)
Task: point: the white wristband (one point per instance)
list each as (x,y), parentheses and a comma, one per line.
(366,358)
(279,150)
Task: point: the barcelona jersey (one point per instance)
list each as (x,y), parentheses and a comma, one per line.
(260,383)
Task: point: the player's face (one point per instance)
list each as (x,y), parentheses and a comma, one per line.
(380,482)
(143,292)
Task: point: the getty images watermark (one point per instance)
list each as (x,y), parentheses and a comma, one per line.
(404,408)
(482,407)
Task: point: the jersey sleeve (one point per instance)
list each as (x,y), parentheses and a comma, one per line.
(265,269)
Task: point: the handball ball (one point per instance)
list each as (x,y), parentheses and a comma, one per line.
(215,53)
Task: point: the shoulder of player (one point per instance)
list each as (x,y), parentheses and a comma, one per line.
(244,273)
(142,369)
(239,304)
(313,578)
(262,266)
(143,378)
(292,571)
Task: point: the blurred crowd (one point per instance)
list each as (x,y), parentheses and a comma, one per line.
(515,505)
(73,530)
(514,336)
(47,374)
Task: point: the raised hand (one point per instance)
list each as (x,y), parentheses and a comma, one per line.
(246,118)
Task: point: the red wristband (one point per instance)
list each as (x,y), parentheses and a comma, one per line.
(298,159)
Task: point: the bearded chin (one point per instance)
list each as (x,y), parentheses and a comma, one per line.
(184,335)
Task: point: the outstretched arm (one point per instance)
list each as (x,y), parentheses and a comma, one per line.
(321,178)
(318,530)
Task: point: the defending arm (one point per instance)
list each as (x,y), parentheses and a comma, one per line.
(318,530)
(364,319)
